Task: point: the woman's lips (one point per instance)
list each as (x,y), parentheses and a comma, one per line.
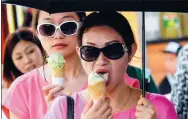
(102,70)
(59,45)
(31,68)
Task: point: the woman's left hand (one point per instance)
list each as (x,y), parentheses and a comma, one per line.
(145,110)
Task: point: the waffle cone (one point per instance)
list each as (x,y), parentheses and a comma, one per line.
(97,90)
(57,72)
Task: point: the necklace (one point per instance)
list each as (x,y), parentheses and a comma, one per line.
(124,102)
(77,73)
(69,92)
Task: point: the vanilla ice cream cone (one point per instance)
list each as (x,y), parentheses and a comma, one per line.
(57,65)
(96,87)
(97,90)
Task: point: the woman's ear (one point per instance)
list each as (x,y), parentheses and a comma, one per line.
(78,50)
(133,48)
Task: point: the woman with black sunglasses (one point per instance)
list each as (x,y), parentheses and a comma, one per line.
(106,46)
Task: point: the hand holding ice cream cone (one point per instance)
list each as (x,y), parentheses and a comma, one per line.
(100,110)
(51,92)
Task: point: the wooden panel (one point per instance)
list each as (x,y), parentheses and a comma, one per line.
(156,60)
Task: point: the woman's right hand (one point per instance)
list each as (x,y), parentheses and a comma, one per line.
(100,110)
(51,92)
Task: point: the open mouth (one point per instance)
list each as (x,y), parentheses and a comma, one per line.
(105,75)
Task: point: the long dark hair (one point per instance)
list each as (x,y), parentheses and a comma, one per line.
(10,72)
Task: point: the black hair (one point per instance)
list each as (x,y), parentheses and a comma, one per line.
(10,72)
(114,20)
(81,15)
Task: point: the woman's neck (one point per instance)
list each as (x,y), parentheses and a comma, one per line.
(120,96)
(72,67)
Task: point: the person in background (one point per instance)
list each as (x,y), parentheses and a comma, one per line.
(180,90)
(136,73)
(22,53)
(168,81)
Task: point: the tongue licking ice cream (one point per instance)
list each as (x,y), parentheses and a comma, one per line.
(96,86)
(56,62)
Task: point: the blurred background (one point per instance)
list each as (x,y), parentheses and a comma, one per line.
(161,28)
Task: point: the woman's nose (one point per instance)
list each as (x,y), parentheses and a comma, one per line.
(27,59)
(102,60)
(59,35)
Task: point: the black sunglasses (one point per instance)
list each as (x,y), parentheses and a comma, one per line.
(67,28)
(112,51)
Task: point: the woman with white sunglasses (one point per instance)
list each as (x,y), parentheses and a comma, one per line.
(30,95)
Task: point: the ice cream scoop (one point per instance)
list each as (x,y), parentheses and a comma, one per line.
(56,62)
